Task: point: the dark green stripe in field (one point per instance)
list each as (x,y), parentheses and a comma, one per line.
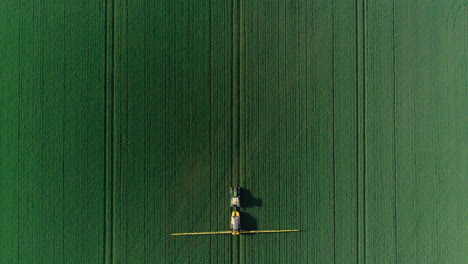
(124,121)
(51,131)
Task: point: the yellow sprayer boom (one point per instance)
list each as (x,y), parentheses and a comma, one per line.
(233,232)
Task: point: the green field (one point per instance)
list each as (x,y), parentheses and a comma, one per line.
(124,121)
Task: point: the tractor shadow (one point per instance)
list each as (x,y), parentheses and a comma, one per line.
(248,222)
(248,200)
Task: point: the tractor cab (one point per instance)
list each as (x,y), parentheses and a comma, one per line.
(235,196)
